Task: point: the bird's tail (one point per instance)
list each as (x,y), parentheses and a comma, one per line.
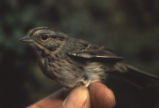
(136,76)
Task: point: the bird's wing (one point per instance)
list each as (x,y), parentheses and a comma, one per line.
(88,51)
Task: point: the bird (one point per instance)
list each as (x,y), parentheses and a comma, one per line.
(74,62)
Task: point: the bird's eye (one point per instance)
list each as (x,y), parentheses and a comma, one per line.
(44,37)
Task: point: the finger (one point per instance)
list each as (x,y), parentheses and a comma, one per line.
(78,98)
(101,96)
(52,101)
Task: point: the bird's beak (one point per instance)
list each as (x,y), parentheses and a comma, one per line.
(26,39)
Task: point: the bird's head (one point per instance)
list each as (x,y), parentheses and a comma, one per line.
(44,38)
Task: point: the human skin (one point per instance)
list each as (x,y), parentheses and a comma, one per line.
(97,95)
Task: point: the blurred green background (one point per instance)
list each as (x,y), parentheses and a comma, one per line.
(129,27)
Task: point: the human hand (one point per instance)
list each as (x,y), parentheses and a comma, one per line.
(97,95)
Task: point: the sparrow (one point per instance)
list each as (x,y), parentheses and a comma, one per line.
(74,62)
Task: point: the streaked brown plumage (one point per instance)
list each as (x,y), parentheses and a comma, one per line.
(73,62)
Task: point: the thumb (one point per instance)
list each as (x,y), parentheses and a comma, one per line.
(78,98)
